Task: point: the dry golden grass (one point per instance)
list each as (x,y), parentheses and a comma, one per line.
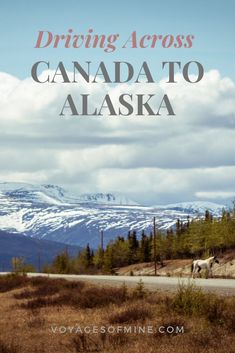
(25,328)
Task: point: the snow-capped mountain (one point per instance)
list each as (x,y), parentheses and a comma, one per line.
(112,199)
(199,207)
(52,213)
(53,194)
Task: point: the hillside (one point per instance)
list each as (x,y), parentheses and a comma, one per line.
(182,267)
(33,250)
(53,213)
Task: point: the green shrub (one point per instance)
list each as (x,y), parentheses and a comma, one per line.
(139,291)
(189,300)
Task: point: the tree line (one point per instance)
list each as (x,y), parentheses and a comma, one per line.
(195,238)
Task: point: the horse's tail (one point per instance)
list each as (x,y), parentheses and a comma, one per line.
(192,266)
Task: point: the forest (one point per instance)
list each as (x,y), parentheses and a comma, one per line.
(195,238)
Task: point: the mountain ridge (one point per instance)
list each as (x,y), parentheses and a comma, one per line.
(50,212)
(37,252)
(61,195)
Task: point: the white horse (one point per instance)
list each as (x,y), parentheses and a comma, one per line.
(207,264)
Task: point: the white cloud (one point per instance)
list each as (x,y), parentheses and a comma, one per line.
(215,194)
(166,158)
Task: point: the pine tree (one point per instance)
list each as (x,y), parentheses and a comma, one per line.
(133,247)
(88,256)
(98,258)
(61,263)
(145,249)
(108,259)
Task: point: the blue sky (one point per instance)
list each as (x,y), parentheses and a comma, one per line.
(212,23)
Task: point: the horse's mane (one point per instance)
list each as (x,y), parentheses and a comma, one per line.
(210,258)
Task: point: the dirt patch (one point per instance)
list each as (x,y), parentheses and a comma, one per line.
(181,267)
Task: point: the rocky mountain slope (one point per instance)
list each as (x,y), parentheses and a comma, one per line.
(52,213)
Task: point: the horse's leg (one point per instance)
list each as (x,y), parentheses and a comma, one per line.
(192,270)
(210,271)
(199,269)
(195,270)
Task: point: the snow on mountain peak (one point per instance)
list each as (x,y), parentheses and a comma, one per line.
(53,213)
(197,207)
(108,198)
(54,194)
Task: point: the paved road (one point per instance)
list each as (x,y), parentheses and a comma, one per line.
(223,286)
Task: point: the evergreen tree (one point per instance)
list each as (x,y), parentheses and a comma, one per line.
(61,263)
(145,249)
(133,247)
(88,256)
